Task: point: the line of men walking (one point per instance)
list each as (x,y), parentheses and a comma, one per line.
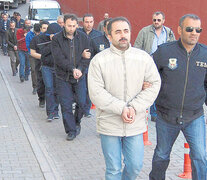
(122,81)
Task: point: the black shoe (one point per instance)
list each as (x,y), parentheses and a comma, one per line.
(42,103)
(78,129)
(153,118)
(22,79)
(89,115)
(70,137)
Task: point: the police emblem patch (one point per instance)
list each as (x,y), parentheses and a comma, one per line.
(172,63)
(101,47)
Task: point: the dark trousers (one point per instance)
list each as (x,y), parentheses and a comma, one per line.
(4,43)
(32,62)
(14,59)
(68,93)
(40,82)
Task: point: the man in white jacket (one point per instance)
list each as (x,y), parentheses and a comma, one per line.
(115,80)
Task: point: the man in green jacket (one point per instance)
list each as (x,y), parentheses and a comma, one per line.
(150,37)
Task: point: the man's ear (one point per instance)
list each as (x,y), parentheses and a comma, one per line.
(110,38)
(179,30)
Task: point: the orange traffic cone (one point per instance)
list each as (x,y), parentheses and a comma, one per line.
(93,106)
(145,134)
(187,174)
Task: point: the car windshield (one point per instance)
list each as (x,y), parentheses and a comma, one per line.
(45,14)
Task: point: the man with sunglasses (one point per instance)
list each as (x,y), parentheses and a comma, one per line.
(150,37)
(155,34)
(182,66)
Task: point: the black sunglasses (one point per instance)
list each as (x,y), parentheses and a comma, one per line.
(190,29)
(159,20)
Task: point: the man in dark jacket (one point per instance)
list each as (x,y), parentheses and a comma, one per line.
(19,21)
(4,26)
(100,43)
(88,23)
(12,47)
(48,71)
(182,65)
(70,66)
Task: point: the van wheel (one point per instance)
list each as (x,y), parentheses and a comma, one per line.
(15,4)
(24,1)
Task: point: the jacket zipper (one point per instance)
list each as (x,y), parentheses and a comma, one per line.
(72,56)
(185,85)
(125,85)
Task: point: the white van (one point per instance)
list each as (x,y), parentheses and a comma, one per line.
(43,10)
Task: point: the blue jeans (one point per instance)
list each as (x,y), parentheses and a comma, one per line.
(88,101)
(195,134)
(132,148)
(24,67)
(68,93)
(153,110)
(48,75)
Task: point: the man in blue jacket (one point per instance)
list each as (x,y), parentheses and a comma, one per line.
(182,65)
(30,35)
(100,43)
(4,26)
(19,21)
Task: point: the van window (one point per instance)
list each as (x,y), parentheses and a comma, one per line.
(45,14)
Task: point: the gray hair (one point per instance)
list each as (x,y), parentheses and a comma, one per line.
(60,17)
(191,16)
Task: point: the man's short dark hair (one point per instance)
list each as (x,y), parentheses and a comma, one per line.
(106,21)
(109,26)
(191,16)
(87,15)
(43,22)
(11,22)
(158,13)
(73,17)
(37,27)
(18,14)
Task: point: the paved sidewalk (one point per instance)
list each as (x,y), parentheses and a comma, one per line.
(44,153)
(17,160)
